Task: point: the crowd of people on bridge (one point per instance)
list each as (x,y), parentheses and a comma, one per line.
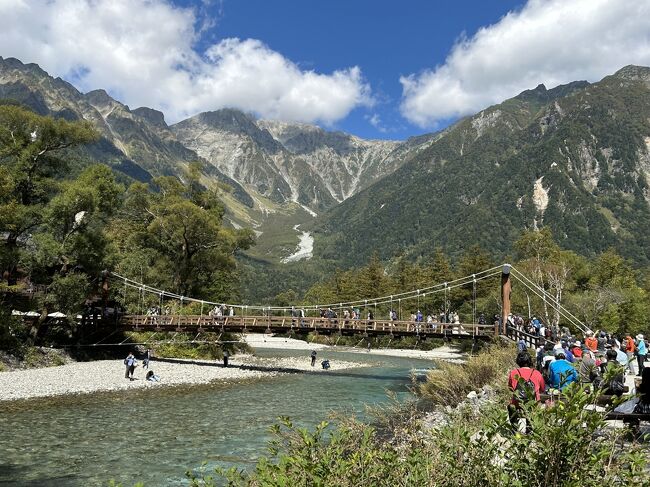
(345,316)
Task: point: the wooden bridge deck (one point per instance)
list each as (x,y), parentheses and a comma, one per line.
(279,324)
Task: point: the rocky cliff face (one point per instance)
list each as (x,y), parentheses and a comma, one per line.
(287,161)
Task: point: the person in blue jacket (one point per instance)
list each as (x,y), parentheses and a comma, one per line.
(561,372)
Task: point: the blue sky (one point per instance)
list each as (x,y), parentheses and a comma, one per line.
(376,69)
(386,39)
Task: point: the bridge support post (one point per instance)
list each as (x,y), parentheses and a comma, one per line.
(506,289)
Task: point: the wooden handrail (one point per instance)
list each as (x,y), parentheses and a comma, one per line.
(314,323)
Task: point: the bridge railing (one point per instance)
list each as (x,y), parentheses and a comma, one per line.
(278,323)
(516,334)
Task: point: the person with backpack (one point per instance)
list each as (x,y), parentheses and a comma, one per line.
(131,364)
(532,382)
(521,345)
(526,384)
(615,371)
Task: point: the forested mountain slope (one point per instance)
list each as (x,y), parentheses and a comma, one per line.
(575,158)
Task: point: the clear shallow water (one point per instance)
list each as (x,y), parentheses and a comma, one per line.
(155,435)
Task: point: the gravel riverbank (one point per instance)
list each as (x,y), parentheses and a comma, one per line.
(108,375)
(269,341)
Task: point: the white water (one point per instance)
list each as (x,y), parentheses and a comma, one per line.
(304,250)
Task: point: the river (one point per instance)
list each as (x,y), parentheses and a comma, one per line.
(155,435)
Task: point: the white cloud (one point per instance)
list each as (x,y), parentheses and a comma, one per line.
(143,52)
(375,121)
(547,41)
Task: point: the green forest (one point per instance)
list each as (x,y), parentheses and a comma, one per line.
(64,220)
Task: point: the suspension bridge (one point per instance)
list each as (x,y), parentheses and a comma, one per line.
(300,319)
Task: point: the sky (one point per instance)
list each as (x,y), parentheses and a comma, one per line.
(373,68)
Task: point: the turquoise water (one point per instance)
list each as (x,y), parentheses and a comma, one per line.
(155,435)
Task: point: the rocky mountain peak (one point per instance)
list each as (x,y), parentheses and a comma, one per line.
(100,99)
(234,123)
(11,63)
(633,73)
(152,116)
(541,94)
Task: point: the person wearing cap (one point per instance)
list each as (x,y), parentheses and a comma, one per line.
(561,372)
(641,353)
(588,369)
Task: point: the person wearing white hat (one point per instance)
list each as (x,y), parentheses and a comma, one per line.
(641,353)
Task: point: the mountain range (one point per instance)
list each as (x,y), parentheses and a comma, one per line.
(575,158)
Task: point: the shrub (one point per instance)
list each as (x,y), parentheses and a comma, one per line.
(450,383)
(182,346)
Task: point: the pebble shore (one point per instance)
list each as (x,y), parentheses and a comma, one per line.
(108,375)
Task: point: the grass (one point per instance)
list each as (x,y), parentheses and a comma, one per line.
(450,383)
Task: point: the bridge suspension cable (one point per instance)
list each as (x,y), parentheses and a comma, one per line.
(547,297)
(415,293)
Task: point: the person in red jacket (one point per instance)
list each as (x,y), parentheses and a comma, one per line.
(531,383)
(526,384)
(630,349)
